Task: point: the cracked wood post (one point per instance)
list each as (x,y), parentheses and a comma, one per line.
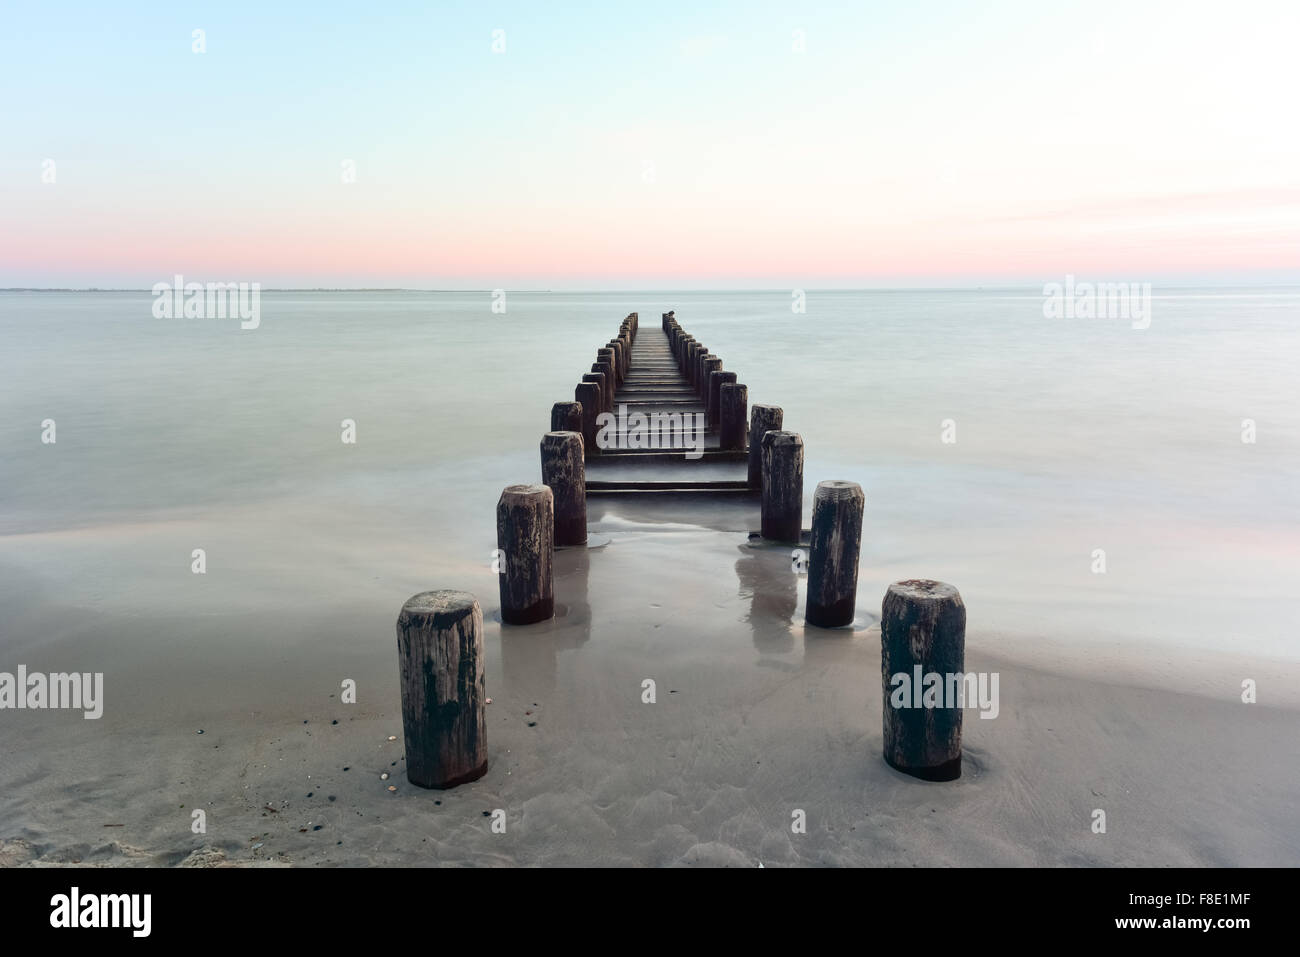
(566,417)
(732,402)
(565,475)
(623,349)
(762,419)
(833,558)
(587,395)
(444,715)
(698,352)
(616,347)
(610,355)
(526,539)
(782,512)
(597,378)
(713,406)
(922,630)
(707,363)
(607,370)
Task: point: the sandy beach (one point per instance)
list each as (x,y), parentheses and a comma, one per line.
(755,718)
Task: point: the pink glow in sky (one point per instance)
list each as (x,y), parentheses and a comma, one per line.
(951,146)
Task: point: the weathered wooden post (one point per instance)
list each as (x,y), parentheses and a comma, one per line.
(444,698)
(782,504)
(710,365)
(713,405)
(588,396)
(598,380)
(566,417)
(698,352)
(526,540)
(702,371)
(922,632)
(732,401)
(607,370)
(563,472)
(607,354)
(762,419)
(615,347)
(833,559)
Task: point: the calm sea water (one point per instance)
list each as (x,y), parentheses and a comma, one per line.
(1071,436)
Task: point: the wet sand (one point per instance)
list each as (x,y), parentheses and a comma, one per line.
(755,718)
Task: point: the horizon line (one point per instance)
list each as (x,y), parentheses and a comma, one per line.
(1210,284)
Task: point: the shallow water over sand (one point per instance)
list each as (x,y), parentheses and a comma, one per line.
(1071,436)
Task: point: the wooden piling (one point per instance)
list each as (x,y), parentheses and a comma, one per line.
(762,419)
(607,370)
(712,405)
(615,346)
(444,698)
(566,417)
(693,353)
(782,502)
(708,365)
(732,401)
(598,380)
(587,395)
(833,558)
(563,472)
(922,631)
(608,354)
(526,539)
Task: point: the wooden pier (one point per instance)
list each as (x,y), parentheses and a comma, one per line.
(657,387)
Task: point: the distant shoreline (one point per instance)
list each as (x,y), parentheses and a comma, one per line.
(1034,287)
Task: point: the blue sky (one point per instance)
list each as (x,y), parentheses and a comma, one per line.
(635,145)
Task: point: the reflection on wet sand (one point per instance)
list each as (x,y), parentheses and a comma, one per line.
(529,653)
(772,587)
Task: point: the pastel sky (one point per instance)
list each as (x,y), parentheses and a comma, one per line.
(643,145)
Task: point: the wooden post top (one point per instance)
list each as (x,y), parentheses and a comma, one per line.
(838,490)
(524,494)
(925,590)
(775,438)
(443,607)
